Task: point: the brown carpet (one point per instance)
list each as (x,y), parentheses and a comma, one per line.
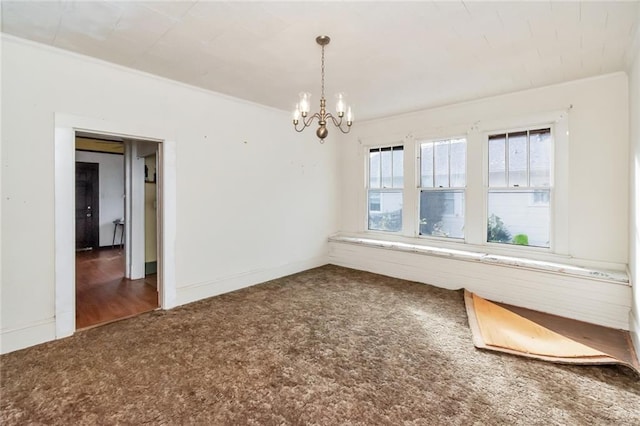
(326,346)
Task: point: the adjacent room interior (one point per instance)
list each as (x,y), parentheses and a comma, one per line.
(270,212)
(105,290)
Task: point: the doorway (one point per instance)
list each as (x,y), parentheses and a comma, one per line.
(66,127)
(109,221)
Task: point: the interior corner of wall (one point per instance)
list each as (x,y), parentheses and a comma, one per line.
(634,329)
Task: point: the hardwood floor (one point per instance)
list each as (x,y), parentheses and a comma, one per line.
(103,294)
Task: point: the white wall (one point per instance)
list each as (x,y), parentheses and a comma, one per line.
(634,164)
(255,199)
(111,176)
(593,169)
(597,159)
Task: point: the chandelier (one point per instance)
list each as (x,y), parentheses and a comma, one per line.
(304,105)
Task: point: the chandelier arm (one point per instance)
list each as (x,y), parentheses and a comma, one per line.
(309,120)
(338,123)
(306,122)
(344,131)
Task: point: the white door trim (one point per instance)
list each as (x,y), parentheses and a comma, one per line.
(166,227)
(64,209)
(65,231)
(134,211)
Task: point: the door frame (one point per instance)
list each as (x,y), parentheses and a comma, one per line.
(134,211)
(65,128)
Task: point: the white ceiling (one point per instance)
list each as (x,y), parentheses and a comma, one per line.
(389,57)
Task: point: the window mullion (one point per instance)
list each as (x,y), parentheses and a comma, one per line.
(506,160)
(392,176)
(528,158)
(380,185)
(449,164)
(433,164)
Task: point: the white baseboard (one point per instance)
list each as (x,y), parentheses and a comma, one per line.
(634,330)
(594,301)
(45,331)
(231,283)
(13,339)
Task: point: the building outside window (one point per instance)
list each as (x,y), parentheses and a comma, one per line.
(519,192)
(386,181)
(442,188)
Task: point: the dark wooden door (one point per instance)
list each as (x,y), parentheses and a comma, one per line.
(87,199)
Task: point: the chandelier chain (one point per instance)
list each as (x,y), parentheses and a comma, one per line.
(322,94)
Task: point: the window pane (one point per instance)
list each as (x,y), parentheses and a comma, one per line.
(385,210)
(514,219)
(442,213)
(540,197)
(426,165)
(497,176)
(517,143)
(540,157)
(441,152)
(385,157)
(374,168)
(458,162)
(398,169)
(374,201)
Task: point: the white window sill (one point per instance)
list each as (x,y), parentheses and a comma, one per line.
(617,277)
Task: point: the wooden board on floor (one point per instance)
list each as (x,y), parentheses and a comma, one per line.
(614,342)
(501,327)
(513,342)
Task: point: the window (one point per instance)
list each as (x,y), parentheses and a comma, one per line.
(443,178)
(520,188)
(386,180)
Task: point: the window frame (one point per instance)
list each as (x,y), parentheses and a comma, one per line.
(515,189)
(381,189)
(476,132)
(452,189)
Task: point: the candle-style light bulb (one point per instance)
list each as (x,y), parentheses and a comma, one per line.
(349,116)
(305,103)
(296,114)
(340,104)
